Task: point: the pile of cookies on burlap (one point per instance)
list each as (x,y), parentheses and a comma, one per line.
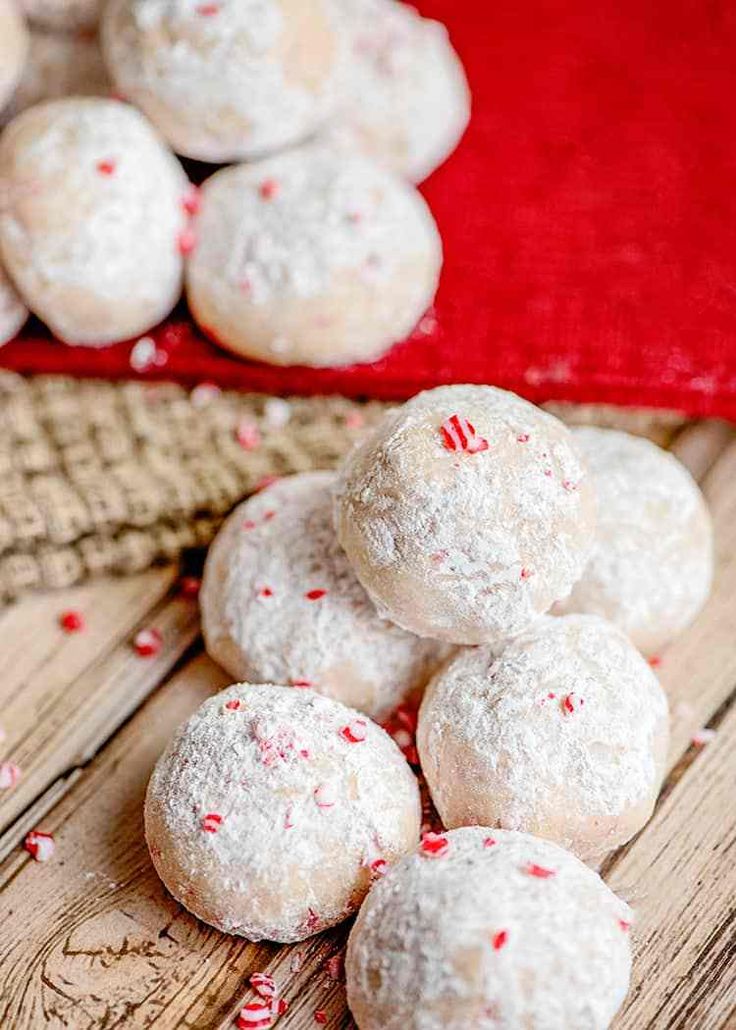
(522,573)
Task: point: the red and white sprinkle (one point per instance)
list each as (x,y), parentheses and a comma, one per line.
(10,774)
(571,703)
(538,871)
(233,705)
(39,845)
(211,822)
(458,434)
(499,939)
(320,1016)
(434,845)
(354,732)
(71,621)
(254,1015)
(147,642)
(263,984)
(489,842)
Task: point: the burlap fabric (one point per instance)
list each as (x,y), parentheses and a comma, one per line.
(103,477)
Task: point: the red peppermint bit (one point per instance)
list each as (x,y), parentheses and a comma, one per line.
(9,775)
(186,242)
(191,201)
(499,939)
(249,524)
(189,587)
(655,661)
(280,1006)
(354,732)
(106,167)
(147,642)
(571,703)
(334,967)
(532,869)
(248,435)
(489,842)
(459,435)
(379,867)
(523,438)
(325,796)
(434,845)
(315,595)
(233,705)
(625,926)
(269,515)
(301,683)
(569,485)
(211,822)
(265,592)
(71,621)
(320,1016)
(254,1015)
(548,472)
(207,10)
(263,984)
(268,189)
(525,573)
(39,845)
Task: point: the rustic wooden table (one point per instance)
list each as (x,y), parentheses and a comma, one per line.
(91,940)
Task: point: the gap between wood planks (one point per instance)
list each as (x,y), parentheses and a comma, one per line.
(128,943)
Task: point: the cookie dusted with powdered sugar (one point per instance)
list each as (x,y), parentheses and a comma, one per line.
(13,48)
(63,15)
(407,98)
(13,312)
(652,564)
(273,809)
(491,930)
(281,604)
(317,257)
(228,80)
(562,733)
(466,514)
(91,228)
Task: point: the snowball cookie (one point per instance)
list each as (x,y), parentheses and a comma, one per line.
(272,809)
(90,231)
(562,733)
(408,101)
(314,257)
(489,930)
(229,80)
(13,312)
(281,604)
(466,513)
(652,563)
(13,48)
(63,15)
(59,65)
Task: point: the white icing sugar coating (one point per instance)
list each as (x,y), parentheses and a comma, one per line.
(474,939)
(227,80)
(13,312)
(562,733)
(59,65)
(317,256)
(466,545)
(408,101)
(268,810)
(63,15)
(281,604)
(652,563)
(90,230)
(13,48)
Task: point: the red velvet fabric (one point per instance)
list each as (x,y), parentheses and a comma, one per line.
(589,219)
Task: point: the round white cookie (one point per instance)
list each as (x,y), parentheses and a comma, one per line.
(490,930)
(652,564)
(227,80)
(466,514)
(91,229)
(407,98)
(13,312)
(273,809)
(63,15)
(317,257)
(562,733)
(281,604)
(13,48)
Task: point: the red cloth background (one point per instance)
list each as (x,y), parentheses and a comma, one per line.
(589,219)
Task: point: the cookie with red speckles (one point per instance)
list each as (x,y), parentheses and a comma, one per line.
(315,257)
(13,312)
(466,514)
(63,15)
(13,48)
(228,80)
(492,930)
(92,224)
(562,733)
(273,809)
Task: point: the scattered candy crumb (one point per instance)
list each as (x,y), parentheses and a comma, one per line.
(458,434)
(256,1015)
(320,1016)
(147,642)
(71,621)
(315,595)
(434,845)
(499,939)
(539,871)
(39,845)
(354,732)
(211,822)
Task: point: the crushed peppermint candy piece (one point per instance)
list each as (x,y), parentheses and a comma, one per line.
(147,642)
(379,866)
(256,1015)
(189,587)
(263,984)
(302,683)
(525,573)
(325,796)
(571,703)
(703,736)
(265,592)
(539,871)
(334,967)
(279,1006)
(320,1016)
(315,595)
(523,438)
(434,845)
(186,242)
(10,774)
(233,705)
(459,435)
(625,925)
(211,822)
(71,621)
(354,732)
(191,201)
(39,845)
(106,167)
(248,435)
(268,189)
(498,940)
(489,842)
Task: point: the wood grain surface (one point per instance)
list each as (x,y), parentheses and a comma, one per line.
(92,941)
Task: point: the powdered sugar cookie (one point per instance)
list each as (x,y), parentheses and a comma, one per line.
(90,231)
(281,604)
(228,80)
(272,810)
(63,15)
(408,101)
(562,733)
(314,257)
(652,564)
(13,312)
(13,48)
(490,930)
(466,514)
(59,65)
